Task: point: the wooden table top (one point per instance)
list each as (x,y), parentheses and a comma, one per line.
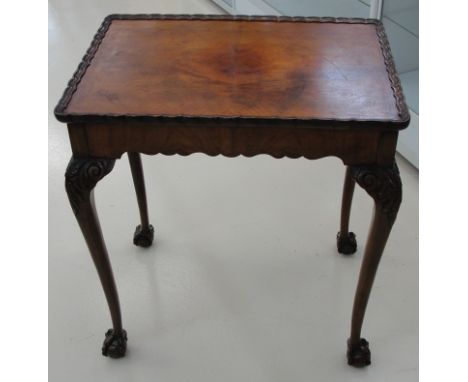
(244,68)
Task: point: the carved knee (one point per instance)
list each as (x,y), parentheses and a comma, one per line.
(81,177)
(383,184)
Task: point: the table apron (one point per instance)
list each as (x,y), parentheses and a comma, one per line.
(351,145)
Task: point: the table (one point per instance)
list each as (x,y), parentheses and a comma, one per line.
(236,85)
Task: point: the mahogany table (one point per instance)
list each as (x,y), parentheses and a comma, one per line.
(179,84)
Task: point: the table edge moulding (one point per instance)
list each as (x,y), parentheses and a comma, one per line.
(401,123)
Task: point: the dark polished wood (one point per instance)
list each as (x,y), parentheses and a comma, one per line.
(287,87)
(384,186)
(352,146)
(144,232)
(81,177)
(252,69)
(346,241)
(238,67)
(144,78)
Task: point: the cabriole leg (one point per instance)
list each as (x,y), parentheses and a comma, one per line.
(345,240)
(144,232)
(384,186)
(81,177)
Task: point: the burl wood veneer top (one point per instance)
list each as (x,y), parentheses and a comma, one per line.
(211,68)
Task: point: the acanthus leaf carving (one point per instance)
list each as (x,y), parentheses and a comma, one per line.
(81,177)
(383,184)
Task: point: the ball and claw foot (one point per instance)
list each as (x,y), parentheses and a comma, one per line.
(346,244)
(143,237)
(359,355)
(115,343)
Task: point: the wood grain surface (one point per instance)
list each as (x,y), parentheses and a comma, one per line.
(262,69)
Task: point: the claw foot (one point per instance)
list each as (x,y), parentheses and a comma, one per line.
(143,237)
(346,244)
(115,343)
(359,355)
